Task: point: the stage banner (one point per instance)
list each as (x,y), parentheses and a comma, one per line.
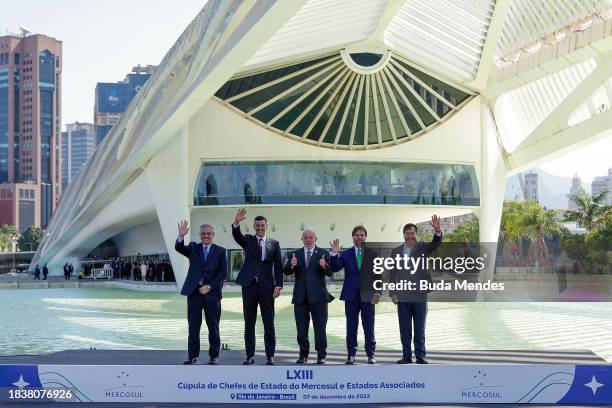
(520,383)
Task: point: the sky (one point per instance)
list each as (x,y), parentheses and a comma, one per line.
(103,40)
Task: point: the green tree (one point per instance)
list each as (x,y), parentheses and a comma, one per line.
(589,209)
(600,238)
(7,232)
(465,231)
(528,220)
(599,244)
(574,245)
(30,239)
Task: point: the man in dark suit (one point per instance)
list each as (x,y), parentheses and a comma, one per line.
(203,284)
(310,295)
(261,278)
(357,291)
(412,306)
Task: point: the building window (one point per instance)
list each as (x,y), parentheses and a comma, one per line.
(336,182)
(325,101)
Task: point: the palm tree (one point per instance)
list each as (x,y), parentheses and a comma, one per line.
(589,209)
(513,230)
(537,222)
(526,219)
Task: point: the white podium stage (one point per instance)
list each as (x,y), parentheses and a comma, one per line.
(469,377)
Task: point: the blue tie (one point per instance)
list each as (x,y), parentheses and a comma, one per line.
(205,252)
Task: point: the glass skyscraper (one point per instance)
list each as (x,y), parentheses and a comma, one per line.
(30,117)
(78,145)
(112,99)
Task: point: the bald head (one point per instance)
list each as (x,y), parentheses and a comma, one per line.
(309,237)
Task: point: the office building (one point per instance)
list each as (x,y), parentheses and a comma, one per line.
(30,123)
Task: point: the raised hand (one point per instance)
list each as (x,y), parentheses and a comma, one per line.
(240,216)
(335,246)
(435,222)
(294,261)
(183,228)
(323,262)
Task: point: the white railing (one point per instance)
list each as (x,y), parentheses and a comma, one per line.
(101,273)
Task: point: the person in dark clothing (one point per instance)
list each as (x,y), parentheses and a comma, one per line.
(203,288)
(45,272)
(310,266)
(261,279)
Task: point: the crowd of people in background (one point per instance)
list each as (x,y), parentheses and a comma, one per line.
(148,270)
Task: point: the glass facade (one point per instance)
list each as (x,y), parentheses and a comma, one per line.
(65,160)
(335,182)
(78,145)
(26,214)
(4,124)
(323,101)
(112,99)
(16,120)
(46,204)
(46,66)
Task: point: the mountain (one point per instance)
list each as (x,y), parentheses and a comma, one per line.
(552,190)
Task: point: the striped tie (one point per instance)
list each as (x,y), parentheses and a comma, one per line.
(308,258)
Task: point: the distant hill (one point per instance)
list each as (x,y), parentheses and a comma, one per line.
(552,190)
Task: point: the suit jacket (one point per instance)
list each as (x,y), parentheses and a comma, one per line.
(310,282)
(358,283)
(212,272)
(421,273)
(270,270)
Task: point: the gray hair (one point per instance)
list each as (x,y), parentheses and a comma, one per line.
(208,226)
(311,230)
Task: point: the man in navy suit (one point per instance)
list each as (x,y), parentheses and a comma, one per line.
(357,291)
(203,284)
(261,278)
(412,307)
(310,295)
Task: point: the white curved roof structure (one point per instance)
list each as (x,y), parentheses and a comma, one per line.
(420,81)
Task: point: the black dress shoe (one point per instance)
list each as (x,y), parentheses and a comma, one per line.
(270,361)
(421,361)
(404,361)
(213,361)
(350,360)
(301,360)
(191,361)
(321,361)
(371,360)
(249,361)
